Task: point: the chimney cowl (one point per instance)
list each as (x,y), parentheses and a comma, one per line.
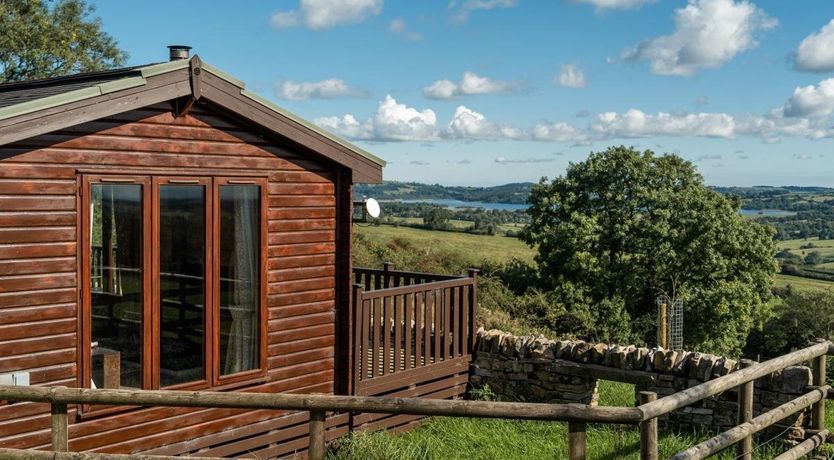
(178,52)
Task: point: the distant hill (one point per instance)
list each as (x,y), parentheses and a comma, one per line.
(391,190)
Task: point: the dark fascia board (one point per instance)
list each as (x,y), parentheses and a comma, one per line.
(171,80)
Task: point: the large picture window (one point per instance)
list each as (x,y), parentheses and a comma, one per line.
(173,281)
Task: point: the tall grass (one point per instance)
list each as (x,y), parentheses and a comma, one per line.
(476,439)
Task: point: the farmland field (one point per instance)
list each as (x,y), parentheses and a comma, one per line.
(803,283)
(477,247)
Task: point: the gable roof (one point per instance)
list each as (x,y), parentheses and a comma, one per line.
(31,108)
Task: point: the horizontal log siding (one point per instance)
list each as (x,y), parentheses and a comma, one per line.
(39,276)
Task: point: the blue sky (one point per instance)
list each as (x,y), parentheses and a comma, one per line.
(484,92)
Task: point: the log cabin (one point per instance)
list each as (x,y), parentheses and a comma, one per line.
(162,227)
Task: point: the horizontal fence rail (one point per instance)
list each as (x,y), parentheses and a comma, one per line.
(316,404)
(713,387)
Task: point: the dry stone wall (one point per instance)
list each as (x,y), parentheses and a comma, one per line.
(536,369)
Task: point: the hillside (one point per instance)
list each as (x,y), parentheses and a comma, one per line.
(392,190)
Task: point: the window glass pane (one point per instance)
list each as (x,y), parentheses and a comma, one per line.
(240,252)
(116,285)
(182,242)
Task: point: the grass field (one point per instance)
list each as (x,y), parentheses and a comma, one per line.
(465,438)
(478,247)
(802,283)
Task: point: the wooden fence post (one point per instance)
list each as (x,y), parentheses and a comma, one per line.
(60,434)
(818,409)
(576,440)
(745,412)
(317,449)
(662,334)
(648,430)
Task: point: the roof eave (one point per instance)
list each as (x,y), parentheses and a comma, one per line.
(156,70)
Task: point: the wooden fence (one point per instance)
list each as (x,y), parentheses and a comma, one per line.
(577,416)
(316,405)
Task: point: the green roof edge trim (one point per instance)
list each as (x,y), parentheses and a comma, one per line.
(124,83)
(221,74)
(165,67)
(49,102)
(272,106)
(157,69)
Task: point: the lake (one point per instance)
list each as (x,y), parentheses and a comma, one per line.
(766,212)
(456,204)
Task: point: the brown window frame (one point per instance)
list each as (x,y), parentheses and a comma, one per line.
(219,380)
(151,326)
(156,308)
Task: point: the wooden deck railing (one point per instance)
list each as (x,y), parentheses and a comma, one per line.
(372,278)
(414,320)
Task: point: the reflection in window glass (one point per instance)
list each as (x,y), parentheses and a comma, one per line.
(116,285)
(182,286)
(240,227)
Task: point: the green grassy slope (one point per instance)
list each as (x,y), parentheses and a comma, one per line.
(478,247)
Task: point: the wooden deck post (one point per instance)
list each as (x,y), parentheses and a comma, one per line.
(576,440)
(648,430)
(473,307)
(358,338)
(317,449)
(818,409)
(745,412)
(386,275)
(60,433)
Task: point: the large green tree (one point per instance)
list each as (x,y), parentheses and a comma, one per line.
(623,227)
(42,39)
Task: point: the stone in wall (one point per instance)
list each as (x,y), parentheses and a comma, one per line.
(537,369)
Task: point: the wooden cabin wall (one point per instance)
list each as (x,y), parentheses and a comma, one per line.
(39,274)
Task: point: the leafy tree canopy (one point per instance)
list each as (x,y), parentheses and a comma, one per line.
(44,39)
(623,227)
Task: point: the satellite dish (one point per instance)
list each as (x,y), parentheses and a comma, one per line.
(372,207)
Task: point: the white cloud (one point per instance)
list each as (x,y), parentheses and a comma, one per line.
(601,5)
(812,101)
(708,34)
(391,122)
(324,14)
(806,114)
(461,10)
(471,125)
(557,132)
(816,52)
(470,84)
(399,27)
(636,123)
(508,161)
(325,89)
(571,76)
